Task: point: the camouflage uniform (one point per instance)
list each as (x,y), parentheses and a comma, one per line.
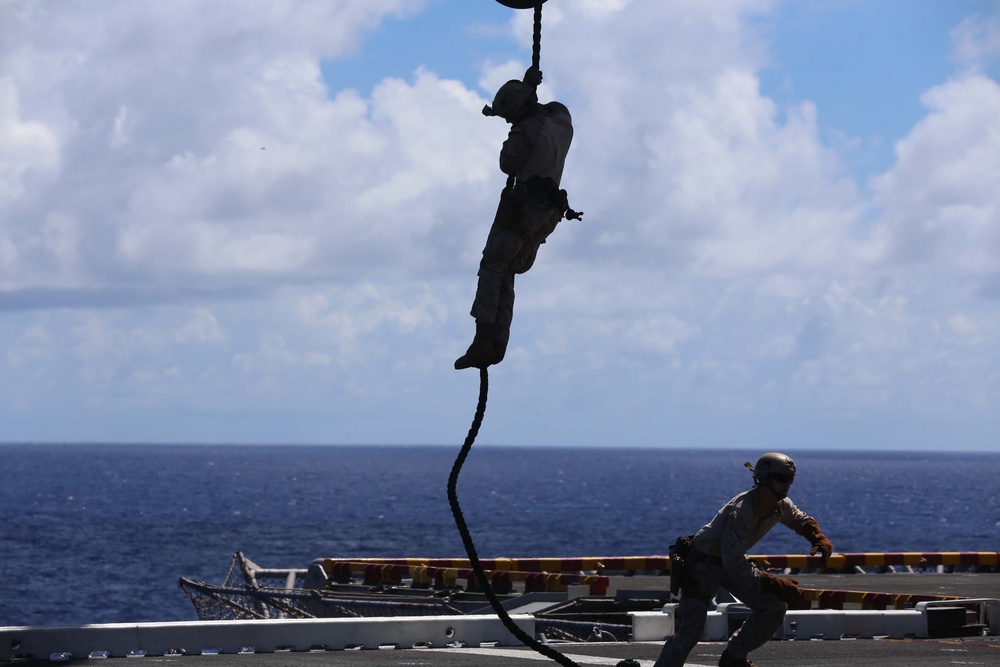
(536,146)
(718,560)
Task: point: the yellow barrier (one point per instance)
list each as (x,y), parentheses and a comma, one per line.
(600,564)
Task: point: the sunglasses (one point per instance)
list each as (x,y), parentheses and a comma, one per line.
(783,479)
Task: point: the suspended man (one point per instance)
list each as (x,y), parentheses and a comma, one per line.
(531,205)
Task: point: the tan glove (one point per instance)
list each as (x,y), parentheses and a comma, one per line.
(819,541)
(783,588)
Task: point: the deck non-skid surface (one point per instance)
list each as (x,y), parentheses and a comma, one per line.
(863,653)
(814,653)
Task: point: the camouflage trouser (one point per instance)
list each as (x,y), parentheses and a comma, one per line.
(510,250)
(766,615)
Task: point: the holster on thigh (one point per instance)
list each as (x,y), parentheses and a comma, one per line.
(510,211)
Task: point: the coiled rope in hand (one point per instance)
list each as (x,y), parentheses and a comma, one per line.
(470,548)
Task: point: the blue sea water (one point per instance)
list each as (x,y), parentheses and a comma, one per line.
(102,533)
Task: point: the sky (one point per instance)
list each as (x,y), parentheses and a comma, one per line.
(224,222)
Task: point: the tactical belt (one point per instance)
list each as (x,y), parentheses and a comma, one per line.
(544,191)
(537,189)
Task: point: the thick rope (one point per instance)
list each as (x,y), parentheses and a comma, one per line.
(470,548)
(536,57)
(536,46)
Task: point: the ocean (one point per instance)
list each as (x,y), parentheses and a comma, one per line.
(93,533)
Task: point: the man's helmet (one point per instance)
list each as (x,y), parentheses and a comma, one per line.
(773,463)
(512,96)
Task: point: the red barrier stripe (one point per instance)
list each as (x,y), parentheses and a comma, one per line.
(832,599)
(529,564)
(911,559)
(534,581)
(835,599)
(662,563)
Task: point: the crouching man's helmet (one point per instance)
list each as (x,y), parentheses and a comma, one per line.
(773,463)
(512,96)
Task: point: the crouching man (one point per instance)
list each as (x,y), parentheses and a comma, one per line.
(717,559)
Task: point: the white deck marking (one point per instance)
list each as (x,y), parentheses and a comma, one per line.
(528,654)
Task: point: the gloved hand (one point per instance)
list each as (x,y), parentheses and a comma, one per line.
(819,541)
(822,545)
(783,588)
(532,76)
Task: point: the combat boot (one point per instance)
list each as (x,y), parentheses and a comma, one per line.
(727,660)
(481,353)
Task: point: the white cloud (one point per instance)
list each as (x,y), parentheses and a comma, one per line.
(119,135)
(941,200)
(977,40)
(353,322)
(26,145)
(204,327)
(697,170)
(186,95)
(258,242)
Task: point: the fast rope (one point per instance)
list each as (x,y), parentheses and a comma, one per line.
(536,46)
(536,42)
(477,421)
(470,548)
